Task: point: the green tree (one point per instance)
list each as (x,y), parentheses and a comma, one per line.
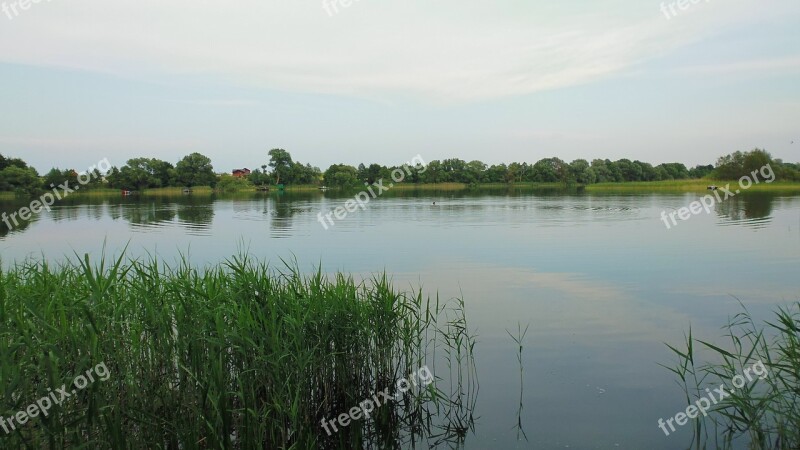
(701,171)
(581,172)
(195,170)
(730,166)
(341,175)
(138,173)
(230,183)
(675,171)
(163,172)
(9,162)
(280,161)
(551,170)
(20,180)
(259,177)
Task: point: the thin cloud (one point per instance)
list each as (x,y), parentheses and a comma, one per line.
(378,50)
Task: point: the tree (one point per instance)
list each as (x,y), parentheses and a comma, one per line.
(581,172)
(259,177)
(550,170)
(630,171)
(648,171)
(230,183)
(54,177)
(675,171)
(138,174)
(12,162)
(474,171)
(304,174)
(281,163)
(754,160)
(195,170)
(497,173)
(341,175)
(22,180)
(701,171)
(163,172)
(730,166)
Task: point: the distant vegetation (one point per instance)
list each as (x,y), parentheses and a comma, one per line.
(281,169)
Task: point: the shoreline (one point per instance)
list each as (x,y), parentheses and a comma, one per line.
(700,185)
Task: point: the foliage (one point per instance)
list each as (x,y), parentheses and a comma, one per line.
(341,175)
(764,411)
(740,164)
(230,183)
(20,180)
(235,356)
(280,161)
(195,170)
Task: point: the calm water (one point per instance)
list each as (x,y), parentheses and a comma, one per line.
(601,281)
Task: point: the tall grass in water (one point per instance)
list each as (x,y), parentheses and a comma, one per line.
(237,356)
(765,413)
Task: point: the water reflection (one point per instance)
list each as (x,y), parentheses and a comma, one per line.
(195,214)
(751,210)
(18,226)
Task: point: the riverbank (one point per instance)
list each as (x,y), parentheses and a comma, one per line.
(690,186)
(695,185)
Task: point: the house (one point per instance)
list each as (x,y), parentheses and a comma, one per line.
(241,173)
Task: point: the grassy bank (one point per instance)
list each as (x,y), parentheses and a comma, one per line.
(197,190)
(237,356)
(690,186)
(760,369)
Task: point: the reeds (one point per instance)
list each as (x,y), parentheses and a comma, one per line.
(235,356)
(764,413)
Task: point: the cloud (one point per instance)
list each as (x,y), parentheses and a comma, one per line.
(761,66)
(440,51)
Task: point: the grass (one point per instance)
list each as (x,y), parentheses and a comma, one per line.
(197,190)
(765,412)
(690,186)
(234,356)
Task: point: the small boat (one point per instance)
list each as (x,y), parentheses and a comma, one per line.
(187,191)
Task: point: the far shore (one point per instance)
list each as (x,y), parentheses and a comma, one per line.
(694,185)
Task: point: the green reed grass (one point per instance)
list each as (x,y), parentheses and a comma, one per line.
(764,414)
(235,356)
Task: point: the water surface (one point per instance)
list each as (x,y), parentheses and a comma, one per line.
(598,277)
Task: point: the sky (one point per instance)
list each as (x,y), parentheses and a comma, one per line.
(333,81)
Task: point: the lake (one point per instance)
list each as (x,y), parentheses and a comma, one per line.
(599,279)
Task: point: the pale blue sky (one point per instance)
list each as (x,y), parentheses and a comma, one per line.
(384,80)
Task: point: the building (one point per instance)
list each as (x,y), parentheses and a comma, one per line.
(241,173)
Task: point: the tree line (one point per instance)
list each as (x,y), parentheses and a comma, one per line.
(196,170)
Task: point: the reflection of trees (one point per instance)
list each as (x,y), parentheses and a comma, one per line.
(149,213)
(20,226)
(750,206)
(197,214)
(285,206)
